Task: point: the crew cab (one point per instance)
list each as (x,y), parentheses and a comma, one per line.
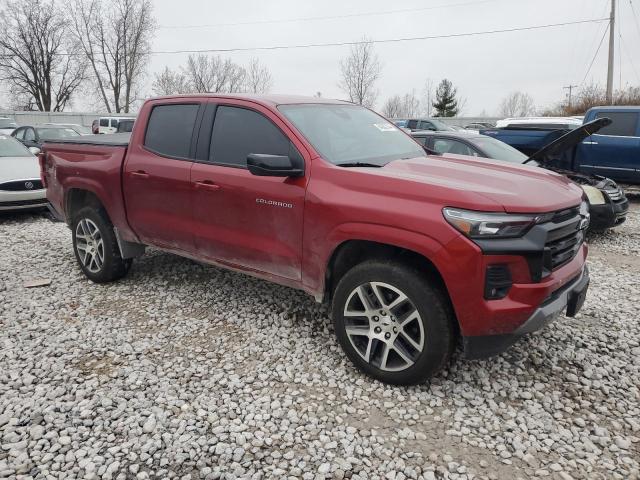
(411,252)
(612,152)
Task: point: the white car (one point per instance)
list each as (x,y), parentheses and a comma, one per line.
(110,124)
(20,184)
(564,123)
(7,125)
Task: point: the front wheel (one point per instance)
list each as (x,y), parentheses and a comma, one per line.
(392,323)
(96,247)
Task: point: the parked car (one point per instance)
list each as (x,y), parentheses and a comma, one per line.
(608,205)
(7,125)
(36,135)
(548,123)
(422,124)
(479,125)
(20,184)
(613,152)
(125,126)
(329,197)
(79,129)
(110,124)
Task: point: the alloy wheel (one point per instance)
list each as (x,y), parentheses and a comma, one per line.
(89,245)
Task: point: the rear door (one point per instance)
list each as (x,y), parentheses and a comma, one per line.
(615,150)
(157,176)
(246,221)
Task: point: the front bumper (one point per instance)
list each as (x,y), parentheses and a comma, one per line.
(608,215)
(23,200)
(571,296)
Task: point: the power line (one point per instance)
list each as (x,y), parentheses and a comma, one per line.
(327,17)
(626,52)
(635,16)
(596,54)
(339,44)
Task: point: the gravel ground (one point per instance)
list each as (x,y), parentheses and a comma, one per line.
(188,371)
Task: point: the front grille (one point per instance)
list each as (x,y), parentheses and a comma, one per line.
(563,242)
(21,185)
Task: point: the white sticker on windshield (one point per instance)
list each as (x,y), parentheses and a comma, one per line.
(385,127)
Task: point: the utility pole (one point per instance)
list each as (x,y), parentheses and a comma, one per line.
(570,88)
(612,40)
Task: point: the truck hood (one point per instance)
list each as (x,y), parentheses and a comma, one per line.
(568,140)
(514,188)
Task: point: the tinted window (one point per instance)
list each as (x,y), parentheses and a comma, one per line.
(114,122)
(104,122)
(237,132)
(624,124)
(442,145)
(426,126)
(170,129)
(421,140)
(412,124)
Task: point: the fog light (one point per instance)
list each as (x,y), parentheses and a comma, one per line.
(497,282)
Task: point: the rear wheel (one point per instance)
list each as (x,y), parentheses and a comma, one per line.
(392,323)
(96,247)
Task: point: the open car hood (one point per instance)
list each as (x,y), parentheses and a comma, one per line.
(568,140)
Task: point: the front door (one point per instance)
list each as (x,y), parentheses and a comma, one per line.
(613,151)
(251,222)
(157,178)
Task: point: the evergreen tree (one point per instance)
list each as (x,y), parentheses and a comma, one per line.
(446,103)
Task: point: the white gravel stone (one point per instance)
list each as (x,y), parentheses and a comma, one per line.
(185,371)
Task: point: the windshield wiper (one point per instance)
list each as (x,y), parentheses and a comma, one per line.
(358,164)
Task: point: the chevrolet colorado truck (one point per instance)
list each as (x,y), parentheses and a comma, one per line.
(411,252)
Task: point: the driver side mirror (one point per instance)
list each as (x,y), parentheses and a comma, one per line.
(34,150)
(264,165)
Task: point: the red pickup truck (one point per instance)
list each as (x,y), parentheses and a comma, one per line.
(412,252)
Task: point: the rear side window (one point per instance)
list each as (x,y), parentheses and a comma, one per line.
(104,122)
(170,129)
(237,132)
(442,145)
(114,122)
(412,124)
(624,124)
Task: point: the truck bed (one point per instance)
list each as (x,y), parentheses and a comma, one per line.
(114,140)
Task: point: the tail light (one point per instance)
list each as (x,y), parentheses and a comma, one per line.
(42,160)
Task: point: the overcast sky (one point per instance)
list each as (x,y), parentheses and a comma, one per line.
(484,68)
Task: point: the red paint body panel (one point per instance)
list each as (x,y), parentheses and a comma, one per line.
(222,215)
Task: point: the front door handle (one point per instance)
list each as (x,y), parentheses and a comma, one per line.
(207,185)
(140,174)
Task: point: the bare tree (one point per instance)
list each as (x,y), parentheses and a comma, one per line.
(410,105)
(360,71)
(116,39)
(169,82)
(258,77)
(34,55)
(428,95)
(393,107)
(517,104)
(214,74)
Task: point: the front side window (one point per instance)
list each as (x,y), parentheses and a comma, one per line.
(114,123)
(170,129)
(442,145)
(346,134)
(104,122)
(624,124)
(29,135)
(19,134)
(238,132)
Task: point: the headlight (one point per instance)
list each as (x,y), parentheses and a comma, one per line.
(595,196)
(489,225)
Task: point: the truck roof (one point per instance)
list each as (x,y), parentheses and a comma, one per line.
(270,99)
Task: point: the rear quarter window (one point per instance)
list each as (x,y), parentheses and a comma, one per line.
(624,124)
(170,129)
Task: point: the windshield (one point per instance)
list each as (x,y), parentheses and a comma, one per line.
(10,147)
(498,150)
(7,123)
(56,133)
(347,134)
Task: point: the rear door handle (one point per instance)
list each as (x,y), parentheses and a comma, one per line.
(207,185)
(140,174)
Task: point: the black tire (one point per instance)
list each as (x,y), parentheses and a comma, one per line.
(112,266)
(435,316)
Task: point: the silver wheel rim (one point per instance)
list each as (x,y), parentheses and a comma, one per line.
(384,326)
(89,245)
